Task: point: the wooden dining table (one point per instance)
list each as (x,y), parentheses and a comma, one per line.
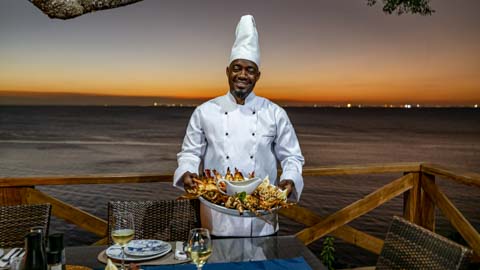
(224,250)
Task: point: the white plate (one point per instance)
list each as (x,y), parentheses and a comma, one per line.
(146,247)
(115,252)
(234,212)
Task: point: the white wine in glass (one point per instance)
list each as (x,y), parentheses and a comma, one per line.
(123,236)
(123,231)
(199,246)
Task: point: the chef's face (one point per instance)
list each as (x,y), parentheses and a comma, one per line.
(242,76)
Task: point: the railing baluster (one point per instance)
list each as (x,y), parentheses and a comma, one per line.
(455,217)
(356,209)
(70,213)
(412,200)
(428,206)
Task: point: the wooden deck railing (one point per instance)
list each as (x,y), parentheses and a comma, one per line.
(417,184)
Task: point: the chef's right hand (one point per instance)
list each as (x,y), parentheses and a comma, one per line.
(187,179)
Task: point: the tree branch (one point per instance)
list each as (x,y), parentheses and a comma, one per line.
(68,9)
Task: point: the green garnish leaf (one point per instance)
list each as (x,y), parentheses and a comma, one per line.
(242,196)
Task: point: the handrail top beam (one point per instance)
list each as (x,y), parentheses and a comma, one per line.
(376,168)
(363,169)
(467,178)
(87,179)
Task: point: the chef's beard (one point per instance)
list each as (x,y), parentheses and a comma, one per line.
(241,93)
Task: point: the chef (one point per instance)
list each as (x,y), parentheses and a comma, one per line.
(241,130)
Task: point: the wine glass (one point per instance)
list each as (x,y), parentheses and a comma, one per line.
(123,231)
(199,246)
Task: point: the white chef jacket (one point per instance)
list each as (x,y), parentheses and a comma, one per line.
(250,137)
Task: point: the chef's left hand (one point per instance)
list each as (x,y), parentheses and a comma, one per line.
(287,184)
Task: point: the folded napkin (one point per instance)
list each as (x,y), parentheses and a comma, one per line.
(298,263)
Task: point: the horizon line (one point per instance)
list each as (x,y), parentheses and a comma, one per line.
(33,98)
(336,106)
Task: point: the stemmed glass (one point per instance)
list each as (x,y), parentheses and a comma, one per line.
(199,246)
(123,231)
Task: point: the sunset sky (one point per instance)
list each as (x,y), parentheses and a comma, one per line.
(316,51)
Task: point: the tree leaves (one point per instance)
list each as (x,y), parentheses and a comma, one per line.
(400,7)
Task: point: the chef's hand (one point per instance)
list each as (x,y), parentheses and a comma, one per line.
(288,185)
(187,179)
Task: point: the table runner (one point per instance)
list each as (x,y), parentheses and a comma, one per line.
(298,263)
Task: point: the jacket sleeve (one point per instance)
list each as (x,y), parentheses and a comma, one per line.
(288,152)
(193,149)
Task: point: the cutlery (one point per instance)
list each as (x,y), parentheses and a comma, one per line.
(6,259)
(7,256)
(15,259)
(21,253)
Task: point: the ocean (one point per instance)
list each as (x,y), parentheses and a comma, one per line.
(80,140)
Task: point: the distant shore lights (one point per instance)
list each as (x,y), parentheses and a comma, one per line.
(475,106)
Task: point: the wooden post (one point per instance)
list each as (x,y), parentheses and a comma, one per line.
(13,195)
(428,206)
(412,200)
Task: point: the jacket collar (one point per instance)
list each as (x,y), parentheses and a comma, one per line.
(250,101)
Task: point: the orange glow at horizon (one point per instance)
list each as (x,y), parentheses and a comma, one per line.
(378,94)
(333,81)
(329,86)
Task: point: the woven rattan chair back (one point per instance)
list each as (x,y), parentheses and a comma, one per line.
(409,246)
(167,220)
(16,221)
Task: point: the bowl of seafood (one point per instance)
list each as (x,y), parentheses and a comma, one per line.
(235,195)
(236,187)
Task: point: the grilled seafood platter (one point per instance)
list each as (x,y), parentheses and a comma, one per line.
(265,198)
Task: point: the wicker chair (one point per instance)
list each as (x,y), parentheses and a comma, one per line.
(16,221)
(409,246)
(168,220)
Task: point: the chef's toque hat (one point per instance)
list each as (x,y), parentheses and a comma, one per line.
(246,41)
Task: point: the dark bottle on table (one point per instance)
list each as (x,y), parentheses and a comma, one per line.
(55,244)
(34,258)
(54,259)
